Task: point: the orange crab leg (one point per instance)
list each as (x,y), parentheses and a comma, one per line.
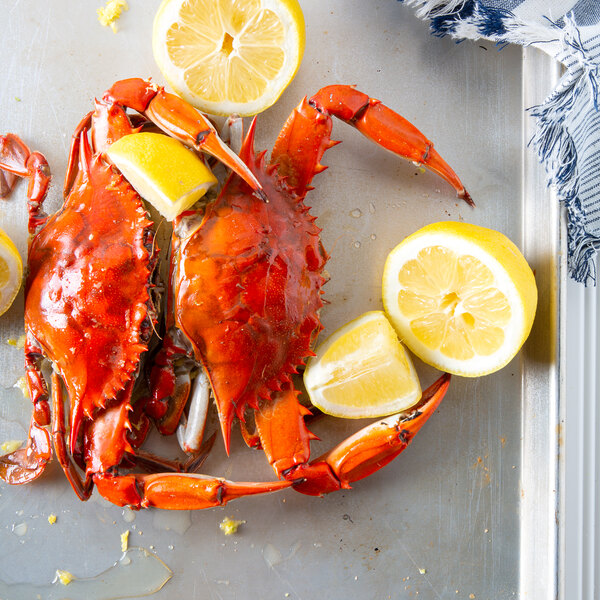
(372,118)
(17,160)
(27,464)
(177,491)
(283,434)
(179,119)
(357,457)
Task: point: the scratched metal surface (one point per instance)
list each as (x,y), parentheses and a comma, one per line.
(468,510)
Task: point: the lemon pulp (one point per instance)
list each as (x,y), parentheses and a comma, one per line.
(229,56)
(362,370)
(11,272)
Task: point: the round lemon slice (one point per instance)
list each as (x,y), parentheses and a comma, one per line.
(461,297)
(162,171)
(11,272)
(362,370)
(229,56)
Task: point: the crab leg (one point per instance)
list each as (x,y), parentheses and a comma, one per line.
(180,120)
(17,160)
(26,464)
(81,488)
(357,457)
(372,118)
(177,491)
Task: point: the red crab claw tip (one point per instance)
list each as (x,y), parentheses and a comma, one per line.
(370,449)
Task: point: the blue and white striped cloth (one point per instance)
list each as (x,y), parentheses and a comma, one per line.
(568,122)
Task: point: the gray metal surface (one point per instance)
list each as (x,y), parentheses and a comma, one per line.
(468,511)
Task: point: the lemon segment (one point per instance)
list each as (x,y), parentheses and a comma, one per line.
(162,171)
(229,56)
(362,370)
(11,272)
(460,296)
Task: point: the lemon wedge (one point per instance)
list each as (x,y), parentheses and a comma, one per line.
(362,370)
(11,272)
(229,56)
(162,171)
(461,297)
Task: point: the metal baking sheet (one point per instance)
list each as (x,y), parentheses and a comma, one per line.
(468,511)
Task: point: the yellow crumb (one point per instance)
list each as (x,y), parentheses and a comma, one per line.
(64,576)
(21,384)
(124,540)
(422,571)
(10,446)
(230,526)
(111,12)
(17,343)
(51,519)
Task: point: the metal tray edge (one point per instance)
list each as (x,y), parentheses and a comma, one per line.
(543,389)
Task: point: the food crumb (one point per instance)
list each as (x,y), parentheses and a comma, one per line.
(51,519)
(21,384)
(471,596)
(19,342)
(230,526)
(111,12)
(64,576)
(124,540)
(10,446)
(422,571)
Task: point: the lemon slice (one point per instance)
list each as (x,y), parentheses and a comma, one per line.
(461,297)
(11,272)
(229,56)
(362,370)
(162,171)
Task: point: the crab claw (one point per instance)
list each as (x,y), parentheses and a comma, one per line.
(369,449)
(26,464)
(180,120)
(178,491)
(372,118)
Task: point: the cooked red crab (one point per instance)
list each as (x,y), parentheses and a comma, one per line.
(246,292)
(88,302)
(246,279)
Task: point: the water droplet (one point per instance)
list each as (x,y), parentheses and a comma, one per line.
(19,529)
(356,213)
(373,236)
(128,515)
(176,520)
(356,244)
(371,208)
(271,555)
